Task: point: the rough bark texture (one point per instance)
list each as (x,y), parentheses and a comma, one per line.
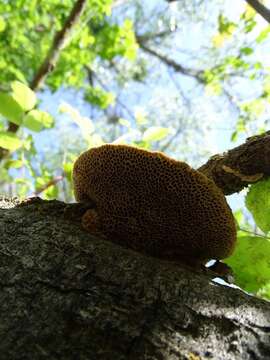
(67,295)
(240,166)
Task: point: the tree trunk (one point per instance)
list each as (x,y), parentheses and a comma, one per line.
(67,295)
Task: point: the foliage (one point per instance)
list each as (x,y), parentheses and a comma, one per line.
(258,203)
(113,40)
(250,261)
(243,63)
(98,97)
(34,31)
(17,106)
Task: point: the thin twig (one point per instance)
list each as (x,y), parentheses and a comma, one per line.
(50,183)
(196,74)
(254,233)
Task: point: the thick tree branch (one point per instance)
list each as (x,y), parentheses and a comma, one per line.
(260,9)
(65,294)
(50,61)
(241,166)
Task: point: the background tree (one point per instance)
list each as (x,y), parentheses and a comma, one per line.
(159,75)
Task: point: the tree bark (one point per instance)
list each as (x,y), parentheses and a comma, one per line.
(240,166)
(260,9)
(68,295)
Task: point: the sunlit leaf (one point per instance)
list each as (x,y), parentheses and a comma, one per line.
(263,35)
(51,192)
(250,262)
(9,141)
(124,122)
(234,136)
(264,291)
(239,216)
(141,116)
(24,96)
(246,50)
(10,109)
(2,24)
(155,133)
(36,120)
(255,107)
(85,124)
(219,39)
(258,203)
(249,19)
(16,164)
(213,88)
(68,167)
(226,29)
(98,97)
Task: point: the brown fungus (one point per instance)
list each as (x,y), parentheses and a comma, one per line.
(153,204)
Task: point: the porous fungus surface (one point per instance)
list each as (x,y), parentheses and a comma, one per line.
(154,204)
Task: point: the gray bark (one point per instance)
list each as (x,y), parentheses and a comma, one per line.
(68,295)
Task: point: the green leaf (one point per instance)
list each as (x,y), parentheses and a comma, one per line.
(85,124)
(36,120)
(234,136)
(249,19)
(246,50)
(225,26)
(258,203)
(97,97)
(264,292)
(239,217)
(68,167)
(2,24)
(51,193)
(124,122)
(250,262)
(9,141)
(226,29)
(155,133)
(24,96)
(263,35)
(213,88)
(10,109)
(16,164)
(140,116)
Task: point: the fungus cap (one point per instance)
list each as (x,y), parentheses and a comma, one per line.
(154,204)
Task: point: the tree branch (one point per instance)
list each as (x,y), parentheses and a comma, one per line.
(65,294)
(58,44)
(50,61)
(52,182)
(196,74)
(241,166)
(260,9)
